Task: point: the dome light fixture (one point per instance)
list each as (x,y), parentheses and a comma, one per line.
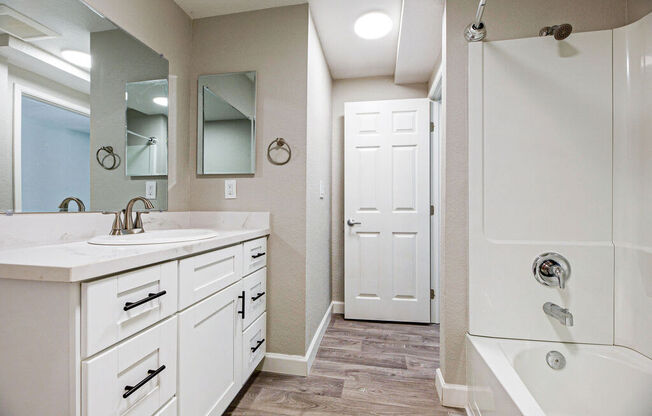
(374,25)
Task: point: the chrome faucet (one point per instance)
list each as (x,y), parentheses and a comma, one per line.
(63,206)
(551,269)
(559,313)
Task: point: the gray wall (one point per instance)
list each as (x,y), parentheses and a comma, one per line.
(112,189)
(318,167)
(148,125)
(505,19)
(358,89)
(273,42)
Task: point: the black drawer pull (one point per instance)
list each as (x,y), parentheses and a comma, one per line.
(151,296)
(253,349)
(243,304)
(258,296)
(150,375)
(255,256)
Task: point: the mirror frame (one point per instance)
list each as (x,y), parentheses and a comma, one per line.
(200,126)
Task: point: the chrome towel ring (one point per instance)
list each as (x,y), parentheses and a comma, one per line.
(115,159)
(279,143)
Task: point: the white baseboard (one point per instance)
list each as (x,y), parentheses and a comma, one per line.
(298,365)
(450,395)
(338,307)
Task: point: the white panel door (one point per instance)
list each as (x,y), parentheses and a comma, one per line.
(387,210)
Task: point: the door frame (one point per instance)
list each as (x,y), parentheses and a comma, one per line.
(21,90)
(436,191)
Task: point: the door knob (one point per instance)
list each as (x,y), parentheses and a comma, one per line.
(351,222)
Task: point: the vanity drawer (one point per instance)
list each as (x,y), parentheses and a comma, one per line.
(147,363)
(255,255)
(148,295)
(254,346)
(170,408)
(201,276)
(255,295)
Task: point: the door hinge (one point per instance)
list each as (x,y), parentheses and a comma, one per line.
(432,210)
(432,126)
(432,293)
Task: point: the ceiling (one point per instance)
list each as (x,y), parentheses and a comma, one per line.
(409,52)
(205,8)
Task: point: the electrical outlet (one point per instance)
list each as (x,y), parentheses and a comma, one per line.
(150,189)
(229,189)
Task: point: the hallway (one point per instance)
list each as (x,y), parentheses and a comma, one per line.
(362,368)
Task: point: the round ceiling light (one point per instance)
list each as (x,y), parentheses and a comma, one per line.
(78,58)
(162,101)
(373,25)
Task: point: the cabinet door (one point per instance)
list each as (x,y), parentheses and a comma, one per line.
(210,353)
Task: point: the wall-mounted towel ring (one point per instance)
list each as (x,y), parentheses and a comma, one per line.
(279,143)
(114,158)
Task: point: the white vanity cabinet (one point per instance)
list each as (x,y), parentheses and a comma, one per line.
(177,338)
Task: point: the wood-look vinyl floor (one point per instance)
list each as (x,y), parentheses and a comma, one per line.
(362,368)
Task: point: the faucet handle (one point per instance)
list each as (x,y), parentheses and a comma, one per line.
(117,227)
(139,220)
(551,269)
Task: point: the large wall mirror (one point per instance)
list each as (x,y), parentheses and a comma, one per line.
(226,124)
(76,85)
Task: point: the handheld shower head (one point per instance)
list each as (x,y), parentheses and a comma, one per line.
(560,32)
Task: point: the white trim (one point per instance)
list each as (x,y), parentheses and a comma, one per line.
(298,365)
(19,91)
(338,306)
(434,93)
(450,395)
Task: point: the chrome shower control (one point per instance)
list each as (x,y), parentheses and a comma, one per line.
(551,269)
(555,360)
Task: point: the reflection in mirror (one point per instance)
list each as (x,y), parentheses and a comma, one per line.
(226,124)
(147,128)
(64,71)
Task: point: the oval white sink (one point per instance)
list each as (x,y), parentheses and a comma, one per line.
(154,237)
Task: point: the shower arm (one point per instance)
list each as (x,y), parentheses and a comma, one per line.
(478,15)
(476,31)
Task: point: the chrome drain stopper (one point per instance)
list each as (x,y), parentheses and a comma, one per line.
(555,360)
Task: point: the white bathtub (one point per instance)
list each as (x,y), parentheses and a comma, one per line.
(511,377)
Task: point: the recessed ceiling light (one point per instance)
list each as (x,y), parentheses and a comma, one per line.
(78,58)
(162,101)
(373,25)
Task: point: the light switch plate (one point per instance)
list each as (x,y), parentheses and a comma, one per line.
(322,191)
(150,189)
(229,189)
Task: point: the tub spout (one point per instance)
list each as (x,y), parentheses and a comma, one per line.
(559,313)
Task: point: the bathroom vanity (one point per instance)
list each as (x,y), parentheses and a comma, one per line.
(161,329)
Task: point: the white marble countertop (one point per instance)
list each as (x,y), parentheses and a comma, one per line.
(77,261)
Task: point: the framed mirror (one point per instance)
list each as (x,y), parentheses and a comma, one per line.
(147,128)
(64,73)
(226,124)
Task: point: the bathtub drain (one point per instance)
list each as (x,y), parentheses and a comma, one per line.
(555,360)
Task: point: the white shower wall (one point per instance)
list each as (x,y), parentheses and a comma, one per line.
(633,184)
(540,179)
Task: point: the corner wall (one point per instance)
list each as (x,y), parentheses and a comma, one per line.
(504,20)
(273,42)
(318,175)
(346,90)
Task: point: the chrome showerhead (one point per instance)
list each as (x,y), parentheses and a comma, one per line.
(560,32)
